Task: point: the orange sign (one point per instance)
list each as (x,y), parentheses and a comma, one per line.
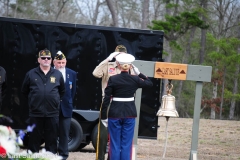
(170,71)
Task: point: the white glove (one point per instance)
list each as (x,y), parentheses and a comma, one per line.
(110,57)
(135,69)
(105,122)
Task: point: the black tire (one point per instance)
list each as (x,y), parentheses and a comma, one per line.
(94,136)
(82,145)
(75,135)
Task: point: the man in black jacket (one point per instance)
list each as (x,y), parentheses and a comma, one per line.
(44,87)
(3,85)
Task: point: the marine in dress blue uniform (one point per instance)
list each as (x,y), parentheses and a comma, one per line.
(66,105)
(122,111)
(104,70)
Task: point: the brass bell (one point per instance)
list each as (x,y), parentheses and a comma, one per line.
(167,108)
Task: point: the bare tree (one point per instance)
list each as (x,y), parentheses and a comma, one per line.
(156,9)
(112,9)
(62,4)
(7,6)
(15,10)
(145,14)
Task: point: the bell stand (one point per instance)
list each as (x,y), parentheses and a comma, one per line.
(169,88)
(196,73)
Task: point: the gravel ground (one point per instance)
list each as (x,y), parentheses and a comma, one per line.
(218,140)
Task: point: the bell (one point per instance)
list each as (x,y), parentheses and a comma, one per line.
(167,108)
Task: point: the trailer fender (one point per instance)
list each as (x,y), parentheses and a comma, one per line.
(89,115)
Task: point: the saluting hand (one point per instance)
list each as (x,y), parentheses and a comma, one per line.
(110,57)
(136,70)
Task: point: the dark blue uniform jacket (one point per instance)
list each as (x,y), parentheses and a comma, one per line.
(122,85)
(66,105)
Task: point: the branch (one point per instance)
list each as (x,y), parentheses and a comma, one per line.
(63,2)
(205,105)
(80,11)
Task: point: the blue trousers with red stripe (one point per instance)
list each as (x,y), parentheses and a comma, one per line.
(121,131)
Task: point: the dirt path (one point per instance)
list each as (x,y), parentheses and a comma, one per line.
(218,140)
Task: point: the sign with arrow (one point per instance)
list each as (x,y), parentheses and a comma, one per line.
(170,71)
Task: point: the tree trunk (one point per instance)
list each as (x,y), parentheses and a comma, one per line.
(176,8)
(15,10)
(203,44)
(235,83)
(203,34)
(145,14)
(168,50)
(113,13)
(7,8)
(215,87)
(185,61)
(222,94)
(167,59)
(95,14)
(235,88)
(79,8)
(220,29)
(156,9)
(63,4)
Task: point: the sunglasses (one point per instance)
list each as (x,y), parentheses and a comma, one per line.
(43,58)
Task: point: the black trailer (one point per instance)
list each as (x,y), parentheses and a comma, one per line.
(85,46)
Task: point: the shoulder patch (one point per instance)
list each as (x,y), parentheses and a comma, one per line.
(112,70)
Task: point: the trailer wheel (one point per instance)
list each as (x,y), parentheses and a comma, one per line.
(94,136)
(75,135)
(82,145)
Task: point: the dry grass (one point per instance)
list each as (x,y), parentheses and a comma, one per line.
(218,140)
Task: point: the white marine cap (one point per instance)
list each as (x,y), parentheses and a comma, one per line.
(125,58)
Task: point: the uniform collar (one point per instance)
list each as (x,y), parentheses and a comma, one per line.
(124,72)
(39,69)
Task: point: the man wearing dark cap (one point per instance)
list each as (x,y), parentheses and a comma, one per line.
(44,87)
(66,105)
(104,70)
(3,85)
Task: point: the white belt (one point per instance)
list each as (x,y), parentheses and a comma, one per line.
(123,99)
